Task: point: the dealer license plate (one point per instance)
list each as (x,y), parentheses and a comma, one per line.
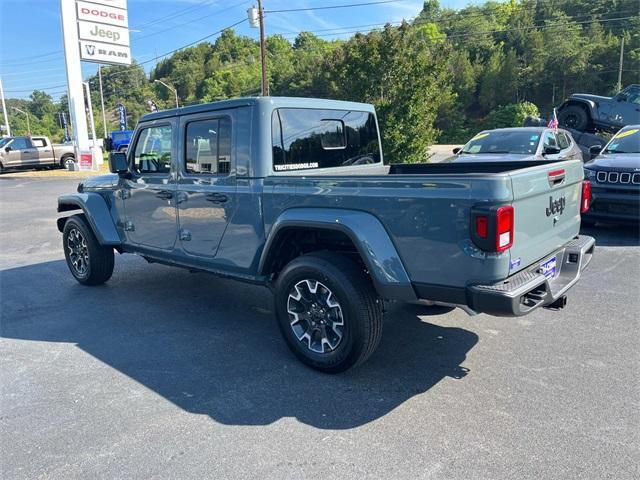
(549,267)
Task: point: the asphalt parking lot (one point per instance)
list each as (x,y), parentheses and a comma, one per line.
(166,374)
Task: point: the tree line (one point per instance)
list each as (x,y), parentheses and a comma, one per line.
(439,77)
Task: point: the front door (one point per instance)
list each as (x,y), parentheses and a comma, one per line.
(21,153)
(206,181)
(149,195)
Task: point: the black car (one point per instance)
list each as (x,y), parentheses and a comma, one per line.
(615,179)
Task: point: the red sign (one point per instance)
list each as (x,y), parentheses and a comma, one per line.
(86,160)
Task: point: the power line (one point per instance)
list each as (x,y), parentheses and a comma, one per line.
(329,7)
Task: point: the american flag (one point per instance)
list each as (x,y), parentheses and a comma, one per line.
(553,123)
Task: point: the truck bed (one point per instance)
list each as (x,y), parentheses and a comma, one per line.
(458,168)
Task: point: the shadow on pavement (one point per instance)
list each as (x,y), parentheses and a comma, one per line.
(212,346)
(612,235)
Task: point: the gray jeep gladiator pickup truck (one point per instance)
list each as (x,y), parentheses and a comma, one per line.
(293,193)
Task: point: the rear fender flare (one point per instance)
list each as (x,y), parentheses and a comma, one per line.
(96,211)
(372,241)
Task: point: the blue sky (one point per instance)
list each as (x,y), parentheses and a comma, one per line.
(31,43)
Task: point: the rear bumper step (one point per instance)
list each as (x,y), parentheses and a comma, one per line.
(529,289)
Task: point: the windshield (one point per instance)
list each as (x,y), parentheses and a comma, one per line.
(627,141)
(516,142)
(4,141)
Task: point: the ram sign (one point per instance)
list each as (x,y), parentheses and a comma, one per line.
(103,31)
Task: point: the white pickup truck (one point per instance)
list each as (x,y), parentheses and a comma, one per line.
(33,152)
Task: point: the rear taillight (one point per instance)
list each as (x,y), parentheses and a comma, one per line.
(585,199)
(504,232)
(482,226)
(492,228)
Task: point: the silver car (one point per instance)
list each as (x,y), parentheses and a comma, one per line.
(521,143)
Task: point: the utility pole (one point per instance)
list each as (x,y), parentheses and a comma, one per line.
(256,19)
(4,110)
(104,117)
(263,51)
(620,65)
(27,114)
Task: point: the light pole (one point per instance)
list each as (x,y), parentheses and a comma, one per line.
(104,117)
(4,110)
(25,113)
(175,92)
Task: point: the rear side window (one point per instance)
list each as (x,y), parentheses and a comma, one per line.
(312,138)
(208,145)
(38,142)
(153,150)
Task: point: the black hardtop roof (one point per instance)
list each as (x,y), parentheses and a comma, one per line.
(274,102)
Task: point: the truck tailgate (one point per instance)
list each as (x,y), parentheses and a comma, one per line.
(546,202)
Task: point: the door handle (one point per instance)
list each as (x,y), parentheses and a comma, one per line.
(216,198)
(164,195)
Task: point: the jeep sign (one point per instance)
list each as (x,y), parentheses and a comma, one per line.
(104,53)
(94,12)
(98,32)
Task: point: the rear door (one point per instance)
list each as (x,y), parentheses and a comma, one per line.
(206,197)
(45,150)
(546,210)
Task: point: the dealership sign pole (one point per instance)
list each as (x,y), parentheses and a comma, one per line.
(93,31)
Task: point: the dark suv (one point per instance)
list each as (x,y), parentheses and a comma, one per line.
(585,112)
(615,178)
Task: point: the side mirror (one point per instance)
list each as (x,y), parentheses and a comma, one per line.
(457,150)
(549,150)
(595,150)
(7,149)
(118,162)
(108,144)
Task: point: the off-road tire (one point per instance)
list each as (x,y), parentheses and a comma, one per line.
(361,309)
(574,117)
(99,266)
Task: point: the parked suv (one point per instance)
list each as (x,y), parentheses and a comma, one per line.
(615,178)
(590,112)
(293,193)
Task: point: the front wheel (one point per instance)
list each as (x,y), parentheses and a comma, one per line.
(89,262)
(328,311)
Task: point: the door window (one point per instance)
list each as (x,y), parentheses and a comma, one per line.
(208,147)
(20,143)
(153,150)
(549,140)
(38,142)
(563,140)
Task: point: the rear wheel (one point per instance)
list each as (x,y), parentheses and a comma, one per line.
(574,117)
(89,262)
(66,161)
(328,311)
